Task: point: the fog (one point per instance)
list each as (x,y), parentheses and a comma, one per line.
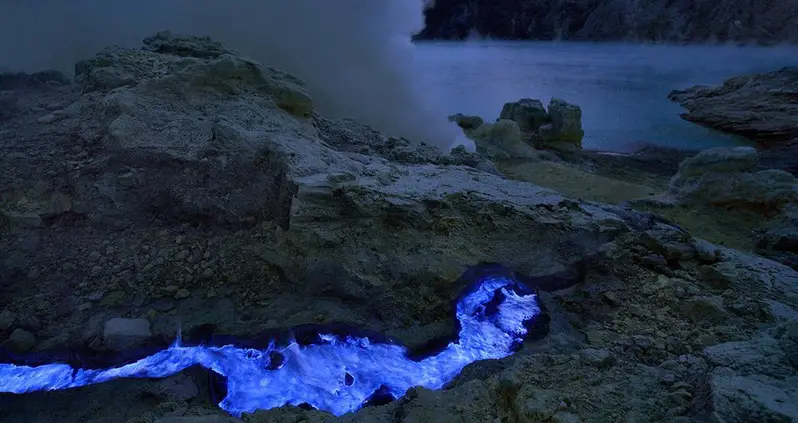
(355,55)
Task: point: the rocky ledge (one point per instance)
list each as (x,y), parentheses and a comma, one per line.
(181,186)
(760,106)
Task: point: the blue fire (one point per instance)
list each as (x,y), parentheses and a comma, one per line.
(338,374)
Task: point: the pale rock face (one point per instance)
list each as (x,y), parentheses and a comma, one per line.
(728,176)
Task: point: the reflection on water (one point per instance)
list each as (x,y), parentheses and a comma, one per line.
(621,88)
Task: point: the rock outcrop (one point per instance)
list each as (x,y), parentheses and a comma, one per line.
(730,177)
(759,106)
(700,21)
(558,128)
(525,124)
(205,192)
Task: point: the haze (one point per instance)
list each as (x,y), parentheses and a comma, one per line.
(355,55)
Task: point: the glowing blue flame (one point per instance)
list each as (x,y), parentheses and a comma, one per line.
(338,375)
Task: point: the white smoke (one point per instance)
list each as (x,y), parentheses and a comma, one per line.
(354,54)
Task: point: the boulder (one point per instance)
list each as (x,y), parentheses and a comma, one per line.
(565,130)
(123,334)
(502,139)
(720,160)
(529,113)
(558,128)
(728,177)
(20,341)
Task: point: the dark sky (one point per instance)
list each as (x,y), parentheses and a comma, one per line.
(354,54)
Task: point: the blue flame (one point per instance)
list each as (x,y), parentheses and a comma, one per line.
(337,374)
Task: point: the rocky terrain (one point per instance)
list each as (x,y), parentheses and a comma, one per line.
(181,186)
(760,106)
(733,196)
(681,21)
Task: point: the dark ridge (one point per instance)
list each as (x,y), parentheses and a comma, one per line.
(699,21)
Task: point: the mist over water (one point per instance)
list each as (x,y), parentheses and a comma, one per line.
(355,55)
(358,61)
(621,88)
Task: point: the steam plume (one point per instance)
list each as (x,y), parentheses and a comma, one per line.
(354,54)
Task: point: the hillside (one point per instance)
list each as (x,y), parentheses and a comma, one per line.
(690,21)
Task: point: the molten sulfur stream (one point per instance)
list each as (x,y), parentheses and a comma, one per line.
(336,375)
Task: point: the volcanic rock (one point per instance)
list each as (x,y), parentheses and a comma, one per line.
(185,156)
(566,131)
(124,334)
(761,106)
(525,124)
(530,114)
(21,341)
(558,128)
(728,177)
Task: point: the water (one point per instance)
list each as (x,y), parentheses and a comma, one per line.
(621,88)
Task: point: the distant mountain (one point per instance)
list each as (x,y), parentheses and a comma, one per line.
(681,21)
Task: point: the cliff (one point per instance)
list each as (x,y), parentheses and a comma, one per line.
(690,21)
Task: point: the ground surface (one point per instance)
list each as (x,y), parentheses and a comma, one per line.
(275,217)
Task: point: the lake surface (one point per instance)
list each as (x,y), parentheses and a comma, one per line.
(621,88)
